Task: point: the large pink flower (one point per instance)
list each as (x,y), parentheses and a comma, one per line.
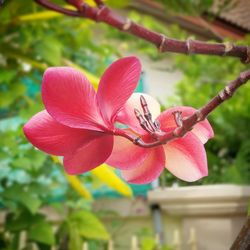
(184,157)
(78,123)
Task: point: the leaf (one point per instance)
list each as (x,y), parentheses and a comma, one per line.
(88,225)
(38,158)
(23,220)
(242,161)
(7,75)
(42,15)
(118,4)
(17,223)
(107,176)
(28,199)
(24,163)
(9,96)
(78,186)
(50,50)
(148,244)
(75,241)
(42,232)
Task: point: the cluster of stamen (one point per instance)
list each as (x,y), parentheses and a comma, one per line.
(145,120)
(153,127)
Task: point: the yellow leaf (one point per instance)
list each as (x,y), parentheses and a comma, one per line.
(27,60)
(107,176)
(56,159)
(42,15)
(78,186)
(90,2)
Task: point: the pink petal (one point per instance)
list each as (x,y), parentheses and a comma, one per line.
(127,116)
(202,130)
(89,156)
(70,99)
(54,138)
(186,158)
(149,170)
(125,154)
(117,85)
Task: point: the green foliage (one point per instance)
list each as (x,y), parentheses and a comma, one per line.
(138,45)
(42,232)
(79,226)
(88,225)
(17,193)
(117,4)
(148,241)
(49,50)
(38,229)
(193,7)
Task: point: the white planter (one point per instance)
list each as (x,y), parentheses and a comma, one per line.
(215,212)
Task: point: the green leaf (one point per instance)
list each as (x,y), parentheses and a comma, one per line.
(23,220)
(42,232)
(28,199)
(7,76)
(75,241)
(88,225)
(23,162)
(18,222)
(148,243)
(50,50)
(118,4)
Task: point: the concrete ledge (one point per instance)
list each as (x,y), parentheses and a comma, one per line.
(123,207)
(202,200)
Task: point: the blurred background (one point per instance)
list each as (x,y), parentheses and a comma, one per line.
(43,208)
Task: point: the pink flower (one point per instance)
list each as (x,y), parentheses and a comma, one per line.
(184,157)
(79,123)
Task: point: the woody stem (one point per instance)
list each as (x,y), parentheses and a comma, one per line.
(102,13)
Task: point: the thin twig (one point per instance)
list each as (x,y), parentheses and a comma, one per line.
(102,13)
(186,124)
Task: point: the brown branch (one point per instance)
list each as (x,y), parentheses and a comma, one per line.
(102,13)
(184,125)
(242,241)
